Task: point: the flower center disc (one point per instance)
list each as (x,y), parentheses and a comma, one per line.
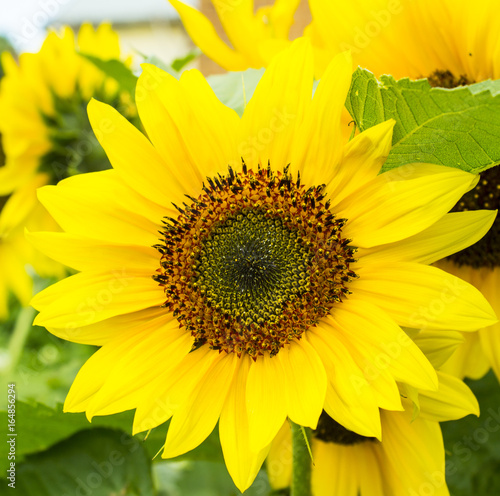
(446,79)
(330,431)
(486,194)
(253,262)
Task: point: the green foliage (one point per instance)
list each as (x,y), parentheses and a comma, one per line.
(202,478)
(38,427)
(181,63)
(473,444)
(101,462)
(235,89)
(117,70)
(457,128)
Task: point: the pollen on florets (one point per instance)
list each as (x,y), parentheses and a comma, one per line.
(254,261)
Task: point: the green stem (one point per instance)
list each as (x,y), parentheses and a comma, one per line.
(21,331)
(301,468)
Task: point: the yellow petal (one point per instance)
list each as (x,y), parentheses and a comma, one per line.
(197,417)
(490,336)
(266,400)
(423,297)
(133,156)
(402,202)
(242,463)
(363,158)
(97,368)
(101,333)
(369,328)
(281,16)
(316,162)
(450,234)
(279,460)
(453,400)
(305,379)
(187,124)
(82,253)
(469,359)
(272,117)
(164,346)
(103,207)
(171,389)
(349,398)
(90,297)
(438,346)
(413,454)
(333,470)
(203,34)
(209,130)
(20,204)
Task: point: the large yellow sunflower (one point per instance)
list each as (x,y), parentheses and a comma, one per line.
(46,136)
(410,458)
(255,36)
(243,271)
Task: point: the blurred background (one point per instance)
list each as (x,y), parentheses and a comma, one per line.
(151,27)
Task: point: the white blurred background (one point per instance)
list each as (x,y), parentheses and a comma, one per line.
(151,27)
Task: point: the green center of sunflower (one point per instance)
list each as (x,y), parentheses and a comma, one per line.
(446,79)
(254,261)
(74,147)
(486,195)
(330,431)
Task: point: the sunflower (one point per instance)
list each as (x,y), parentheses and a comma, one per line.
(18,213)
(410,458)
(46,136)
(255,36)
(47,129)
(243,271)
(480,265)
(410,39)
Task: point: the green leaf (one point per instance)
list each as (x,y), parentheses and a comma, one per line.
(472,444)
(38,427)
(101,462)
(235,89)
(202,478)
(117,70)
(180,63)
(456,128)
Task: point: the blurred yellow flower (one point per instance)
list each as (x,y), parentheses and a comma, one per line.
(46,136)
(255,36)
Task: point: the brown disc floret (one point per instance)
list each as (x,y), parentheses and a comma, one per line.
(254,261)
